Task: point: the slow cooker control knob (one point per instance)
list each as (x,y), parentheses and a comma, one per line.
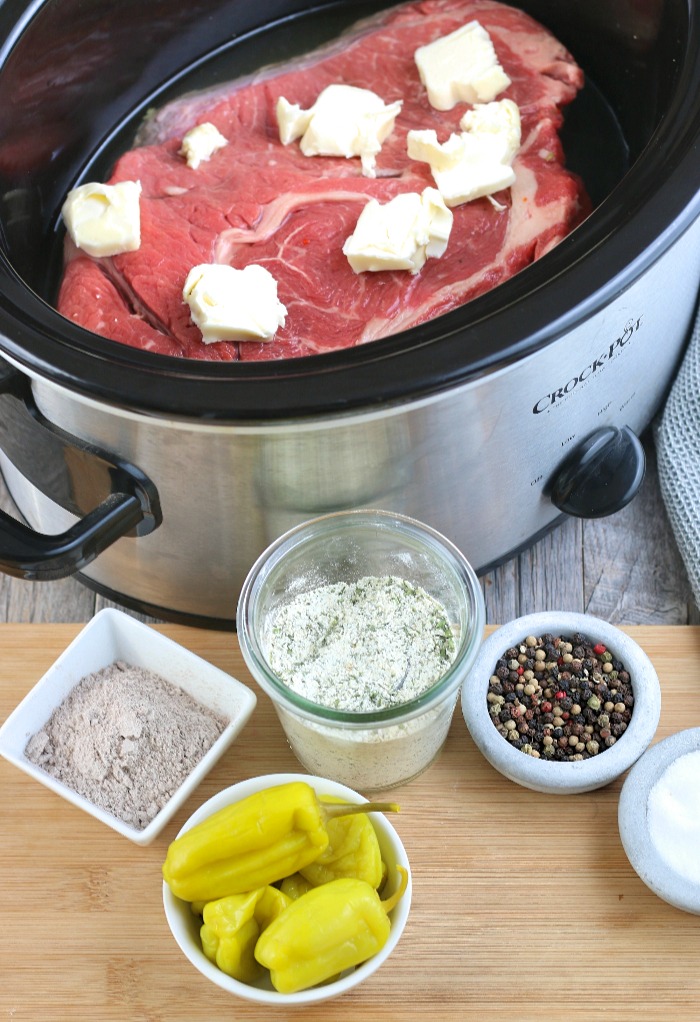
(601,476)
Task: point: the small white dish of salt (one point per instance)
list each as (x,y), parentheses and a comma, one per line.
(125,724)
(659,819)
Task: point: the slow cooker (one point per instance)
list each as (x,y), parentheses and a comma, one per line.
(159,480)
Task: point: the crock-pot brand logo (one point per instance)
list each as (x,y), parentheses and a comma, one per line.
(551,399)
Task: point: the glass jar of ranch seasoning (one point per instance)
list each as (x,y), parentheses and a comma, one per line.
(361,627)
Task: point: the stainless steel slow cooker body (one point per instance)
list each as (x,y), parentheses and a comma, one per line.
(486,423)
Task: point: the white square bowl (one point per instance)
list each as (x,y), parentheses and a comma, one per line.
(112,635)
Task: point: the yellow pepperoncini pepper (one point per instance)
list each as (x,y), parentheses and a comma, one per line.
(295,885)
(352,851)
(252,843)
(327,930)
(232,926)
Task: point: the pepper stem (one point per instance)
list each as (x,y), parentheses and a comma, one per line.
(395,898)
(333,809)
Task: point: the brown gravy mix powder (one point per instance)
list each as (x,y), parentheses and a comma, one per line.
(125,739)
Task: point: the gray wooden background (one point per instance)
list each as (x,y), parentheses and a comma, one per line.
(625,569)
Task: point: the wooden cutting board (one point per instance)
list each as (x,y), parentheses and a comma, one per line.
(525,906)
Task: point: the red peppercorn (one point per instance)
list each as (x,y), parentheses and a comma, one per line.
(560,695)
(599,648)
(546,707)
(521,670)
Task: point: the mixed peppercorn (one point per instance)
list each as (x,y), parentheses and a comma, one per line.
(560,698)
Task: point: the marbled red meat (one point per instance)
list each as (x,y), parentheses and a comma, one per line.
(259,201)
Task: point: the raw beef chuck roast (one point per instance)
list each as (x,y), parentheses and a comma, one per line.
(259,201)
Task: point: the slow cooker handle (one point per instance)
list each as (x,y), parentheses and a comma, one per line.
(601,476)
(111,497)
(27,554)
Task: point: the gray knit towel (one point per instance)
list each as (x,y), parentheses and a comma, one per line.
(677,440)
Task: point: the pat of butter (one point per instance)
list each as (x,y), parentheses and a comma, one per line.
(401,234)
(233,305)
(344,121)
(477,161)
(461,67)
(104,220)
(200,143)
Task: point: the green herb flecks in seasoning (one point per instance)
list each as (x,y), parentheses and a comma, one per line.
(362,646)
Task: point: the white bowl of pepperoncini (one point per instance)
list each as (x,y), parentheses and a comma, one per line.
(319,889)
(561,702)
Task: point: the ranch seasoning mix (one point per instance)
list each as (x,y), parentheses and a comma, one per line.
(362,646)
(361,627)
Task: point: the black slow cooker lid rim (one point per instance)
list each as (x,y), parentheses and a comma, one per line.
(422,361)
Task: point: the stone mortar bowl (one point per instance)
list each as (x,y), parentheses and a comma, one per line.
(554,777)
(650,863)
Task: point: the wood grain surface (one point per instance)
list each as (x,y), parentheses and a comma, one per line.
(525,906)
